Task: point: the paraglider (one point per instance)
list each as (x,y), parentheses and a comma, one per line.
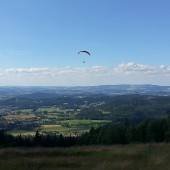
(84,52)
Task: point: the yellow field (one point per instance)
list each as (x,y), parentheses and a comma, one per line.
(55,128)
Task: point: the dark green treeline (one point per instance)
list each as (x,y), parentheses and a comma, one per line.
(149,131)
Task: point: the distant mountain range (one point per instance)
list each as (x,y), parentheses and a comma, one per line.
(11,91)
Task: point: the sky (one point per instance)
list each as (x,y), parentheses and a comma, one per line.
(129,42)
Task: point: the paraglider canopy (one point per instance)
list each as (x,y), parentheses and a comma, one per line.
(84,52)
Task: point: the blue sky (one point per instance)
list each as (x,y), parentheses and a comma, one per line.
(129,42)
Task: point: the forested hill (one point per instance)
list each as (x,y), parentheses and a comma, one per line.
(11,91)
(135,108)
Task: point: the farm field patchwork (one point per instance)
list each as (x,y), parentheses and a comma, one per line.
(75,113)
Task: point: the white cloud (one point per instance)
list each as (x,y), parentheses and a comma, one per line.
(132,68)
(140,69)
(124,73)
(30,70)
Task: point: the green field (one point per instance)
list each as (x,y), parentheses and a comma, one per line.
(65,127)
(25,111)
(85,122)
(116,157)
(21,117)
(50,109)
(55,128)
(64,130)
(22,132)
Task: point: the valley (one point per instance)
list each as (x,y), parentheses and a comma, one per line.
(73,111)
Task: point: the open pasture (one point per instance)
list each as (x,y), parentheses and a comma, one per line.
(26,111)
(84,123)
(63,130)
(50,109)
(22,117)
(54,128)
(65,127)
(22,132)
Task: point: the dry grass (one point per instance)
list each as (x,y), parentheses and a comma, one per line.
(116,157)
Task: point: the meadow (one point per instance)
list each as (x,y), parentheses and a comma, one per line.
(51,120)
(116,157)
(66,127)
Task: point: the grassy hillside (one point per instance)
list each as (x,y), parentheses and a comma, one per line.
(116,157)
